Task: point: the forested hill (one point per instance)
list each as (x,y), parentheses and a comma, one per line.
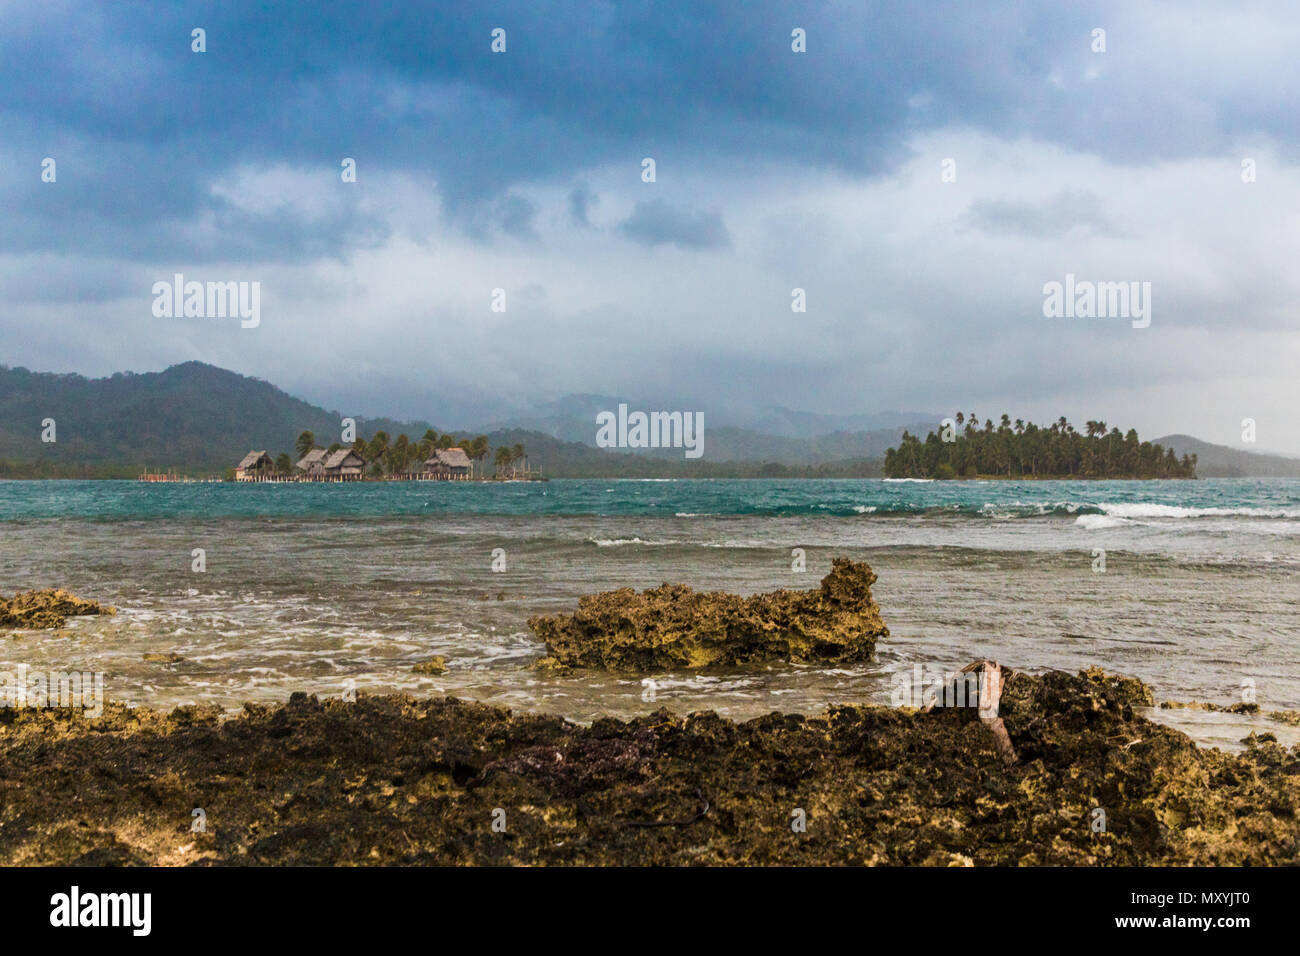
(1025,450)
(201,420)
(193,416)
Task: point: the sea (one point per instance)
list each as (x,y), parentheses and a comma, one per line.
(1193,586)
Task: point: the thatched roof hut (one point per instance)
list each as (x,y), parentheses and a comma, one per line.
(314,460)
(344,465)
(453,457)
(254,465)
(449,463)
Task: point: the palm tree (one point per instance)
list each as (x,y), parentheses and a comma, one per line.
(476,448)
(426,446)
(399,456)
(282,463)
(378,446)
(305,443)
(503,456)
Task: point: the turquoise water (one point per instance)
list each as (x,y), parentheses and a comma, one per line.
(1193,586)
(1266,498)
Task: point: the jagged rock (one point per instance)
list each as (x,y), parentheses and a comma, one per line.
(400,780)
(1238,708)
(675,626)
(170,658)
(47,608)
(434,665)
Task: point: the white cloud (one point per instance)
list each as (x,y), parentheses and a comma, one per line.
(909,303)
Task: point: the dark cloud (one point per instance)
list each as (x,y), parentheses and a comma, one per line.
(581,200)
(518,216)
(654,222)
(146,125)
(814,170)
(1069,212)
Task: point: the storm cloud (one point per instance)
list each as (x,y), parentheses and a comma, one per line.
(920,173)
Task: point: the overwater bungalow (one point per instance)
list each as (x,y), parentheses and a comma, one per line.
(312,465)
(448,464)
(343,465)
(256,466)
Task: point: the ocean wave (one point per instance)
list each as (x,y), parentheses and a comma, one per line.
(1098,522)
(1140,509)
(621,542)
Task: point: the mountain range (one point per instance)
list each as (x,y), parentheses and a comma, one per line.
(200,419)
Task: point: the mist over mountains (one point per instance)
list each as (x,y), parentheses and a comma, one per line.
(201,419)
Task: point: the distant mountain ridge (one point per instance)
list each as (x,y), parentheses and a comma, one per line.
(794,438)
(573,416)
(1223,461)
(201,419)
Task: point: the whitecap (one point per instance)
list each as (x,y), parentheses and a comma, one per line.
(1097,522)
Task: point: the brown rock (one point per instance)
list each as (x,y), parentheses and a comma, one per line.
(47,608)
(328,782)
(163,658)
(675,626)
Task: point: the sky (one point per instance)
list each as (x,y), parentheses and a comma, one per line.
(920,171)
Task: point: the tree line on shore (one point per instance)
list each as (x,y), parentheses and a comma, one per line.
(393,456)
(1026,450)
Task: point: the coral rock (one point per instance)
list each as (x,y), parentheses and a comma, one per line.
(675,626)
(434,665)
(326,782)
(46,609)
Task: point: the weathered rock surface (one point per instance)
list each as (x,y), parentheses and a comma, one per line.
(159,658)
(397,780)
(676,626)
(46,609)
(433,666)
(1238,708)
(1291,717)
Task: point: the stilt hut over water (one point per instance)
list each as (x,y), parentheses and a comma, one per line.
(256,466)
(343,465)
(448,464)
(312,465)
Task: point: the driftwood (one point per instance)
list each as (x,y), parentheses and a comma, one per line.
(989,695)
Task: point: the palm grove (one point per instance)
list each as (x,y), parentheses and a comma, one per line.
(395,456)
(1026,450)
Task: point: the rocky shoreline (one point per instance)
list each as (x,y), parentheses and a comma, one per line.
(1026,769)
(399,780)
